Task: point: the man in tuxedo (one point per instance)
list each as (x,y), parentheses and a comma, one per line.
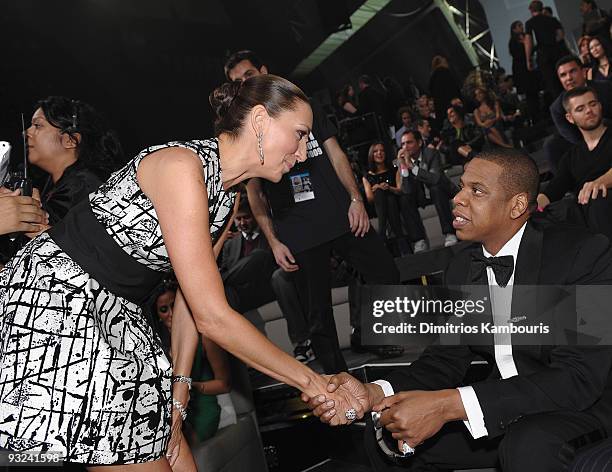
(251,278)
(538,405)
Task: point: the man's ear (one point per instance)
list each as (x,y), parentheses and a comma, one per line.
(263,70)
(520,204)
(570,118)
(70,141)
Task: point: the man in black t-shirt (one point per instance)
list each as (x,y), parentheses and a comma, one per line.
(551,46)
(586,168)
(312,210)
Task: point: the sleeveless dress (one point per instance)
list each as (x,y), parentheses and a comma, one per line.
(81,370)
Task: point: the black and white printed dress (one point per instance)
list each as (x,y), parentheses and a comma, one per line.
(81,371)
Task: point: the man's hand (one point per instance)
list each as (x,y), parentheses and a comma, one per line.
(417,415)
(326,409)
(590,190)
(283,257)
(358,218)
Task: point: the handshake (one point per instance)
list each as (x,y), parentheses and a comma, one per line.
(411,417)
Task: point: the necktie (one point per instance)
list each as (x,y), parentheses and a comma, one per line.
(502,267)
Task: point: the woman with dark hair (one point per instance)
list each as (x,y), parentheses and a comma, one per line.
(70,141)
(380,185)
(583,50)
(346,101)
(488,116)
(600,61)
(526,81)
(82,372)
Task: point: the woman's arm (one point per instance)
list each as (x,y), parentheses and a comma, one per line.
(477,118)
(369,189)
(219,363)
(184,342)
(173,179)
(349,107)
(498,112)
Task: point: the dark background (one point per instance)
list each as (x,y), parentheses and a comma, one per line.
(149,65)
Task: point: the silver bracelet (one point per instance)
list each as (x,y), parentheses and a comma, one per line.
(180,408)
(182,379)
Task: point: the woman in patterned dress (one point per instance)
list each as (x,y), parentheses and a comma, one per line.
(81,370)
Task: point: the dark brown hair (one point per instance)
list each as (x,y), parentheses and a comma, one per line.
(233,101)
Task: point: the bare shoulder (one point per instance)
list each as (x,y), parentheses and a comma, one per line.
(168,164)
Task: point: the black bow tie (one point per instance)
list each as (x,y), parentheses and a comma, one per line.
(502,267)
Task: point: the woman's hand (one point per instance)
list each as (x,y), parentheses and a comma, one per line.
(176,436)
(341,400)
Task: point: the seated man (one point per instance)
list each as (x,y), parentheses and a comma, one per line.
(251,278)
(571,74)
(421,178)
(537,406)
(462,139)
(405,115)
(586,168)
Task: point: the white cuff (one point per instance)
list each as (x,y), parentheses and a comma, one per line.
(386,387)
(475,422)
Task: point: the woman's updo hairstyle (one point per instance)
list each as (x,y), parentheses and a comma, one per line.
(98,148)
(233,101)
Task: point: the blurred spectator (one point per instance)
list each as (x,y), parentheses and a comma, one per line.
(394,98)
(571,75)
(429,140)
(595,21)
(547,11)
(423,181)
(526,81)
(443,86)
(583,50)
(251,278)
(405,115)
(462,139)
(210,371)
(550,40)
(346,101)
(509,101)
(370,100)
(600,60)
(424,111)
(585,169)
(488,116)
(381,189)
(70,141)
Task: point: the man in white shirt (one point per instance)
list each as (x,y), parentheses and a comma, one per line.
(538,405)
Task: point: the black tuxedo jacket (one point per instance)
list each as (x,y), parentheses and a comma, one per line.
(550,378)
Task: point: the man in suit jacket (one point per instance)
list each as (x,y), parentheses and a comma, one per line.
(251,278)
(423,179)
(538,405)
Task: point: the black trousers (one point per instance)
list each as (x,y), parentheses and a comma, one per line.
(387,210)
(412,218)
(546,442)
(368,256)
(284,285)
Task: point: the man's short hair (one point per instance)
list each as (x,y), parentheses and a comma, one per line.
(548,9)
(567,60)
(536,5)
(520,173)
(404,109)
(415,133)
(239,56)
(459,111)
(421,122)
(577,92)
(243,205)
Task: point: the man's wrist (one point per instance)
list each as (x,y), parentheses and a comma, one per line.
(356,198)
(453,406)
(375,394)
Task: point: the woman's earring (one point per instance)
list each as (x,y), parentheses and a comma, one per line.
(260,148)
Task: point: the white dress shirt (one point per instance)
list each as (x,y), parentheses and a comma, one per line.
(501,304)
